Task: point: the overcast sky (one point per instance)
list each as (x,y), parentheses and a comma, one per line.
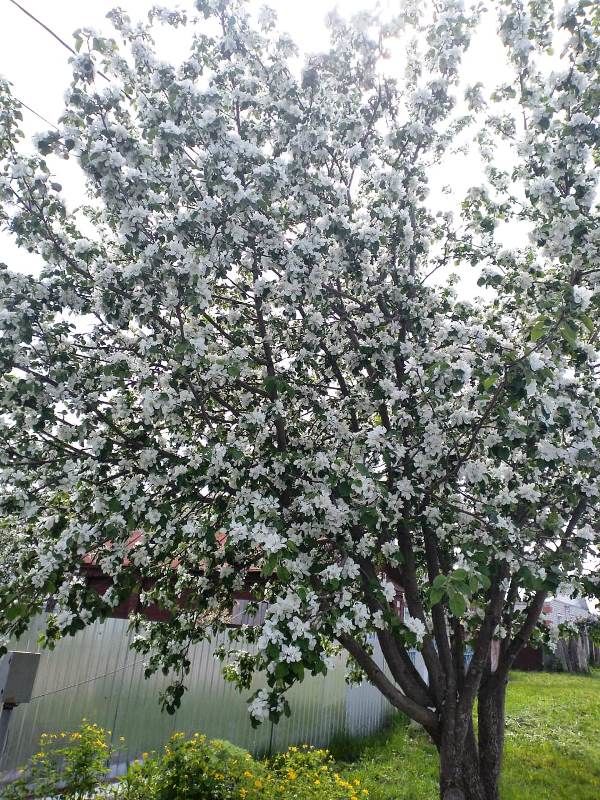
(38,67)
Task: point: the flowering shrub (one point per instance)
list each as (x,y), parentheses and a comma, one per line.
(304,774)
(191,769)
(200,769)
(75,765)
(71,764)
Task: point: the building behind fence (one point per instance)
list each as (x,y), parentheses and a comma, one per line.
(95,675)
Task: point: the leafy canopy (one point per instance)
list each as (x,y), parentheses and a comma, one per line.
(239,349)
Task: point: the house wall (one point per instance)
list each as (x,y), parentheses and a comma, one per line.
(556,611)
(95,675)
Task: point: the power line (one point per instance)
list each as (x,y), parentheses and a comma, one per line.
(52,33)
(33,111)
(88,680)
(45,27)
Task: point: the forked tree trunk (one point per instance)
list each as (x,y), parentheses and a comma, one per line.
(470,766)
(460,777)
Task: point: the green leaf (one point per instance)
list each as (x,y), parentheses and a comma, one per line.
(458,604)
(484,581)
(281,670)
(369,517)
(490,380)
(270,564)
(460,575)
(274,384)
(302,593)
(538,329)
(435,595)
(569,333)
(12,612)
(298,670)
(343,489)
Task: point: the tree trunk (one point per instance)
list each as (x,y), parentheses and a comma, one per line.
(470,770)
(460,777)
(451,777)
(491,713)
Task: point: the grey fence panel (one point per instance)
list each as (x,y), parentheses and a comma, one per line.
(318,707)
(81,678)
(366,708)
(136,714)
(418,661)
(94,675)
(215,707)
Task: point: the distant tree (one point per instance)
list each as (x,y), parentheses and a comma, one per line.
(237,348)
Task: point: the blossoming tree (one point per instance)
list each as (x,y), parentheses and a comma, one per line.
(239,348)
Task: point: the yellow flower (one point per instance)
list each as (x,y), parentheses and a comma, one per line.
(292,775)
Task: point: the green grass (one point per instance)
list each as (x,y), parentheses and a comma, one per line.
(552,746)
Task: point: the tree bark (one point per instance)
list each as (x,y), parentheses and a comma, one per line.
(451,767)
(491,717)
(462,774)
(471,770)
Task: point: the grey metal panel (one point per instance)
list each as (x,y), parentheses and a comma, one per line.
(366,708)
(64,691)
(215,707)
(94,675)
(417,660)
(318,706)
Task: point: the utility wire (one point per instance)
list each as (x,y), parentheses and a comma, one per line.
(33,111)
(88,680)
(45,27)
(52,33)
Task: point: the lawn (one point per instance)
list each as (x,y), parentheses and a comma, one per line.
(552,746)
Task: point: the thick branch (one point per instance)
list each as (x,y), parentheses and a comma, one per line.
(378,678)
(481,648)
(403,670)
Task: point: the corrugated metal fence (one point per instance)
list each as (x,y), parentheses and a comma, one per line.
(95,675)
